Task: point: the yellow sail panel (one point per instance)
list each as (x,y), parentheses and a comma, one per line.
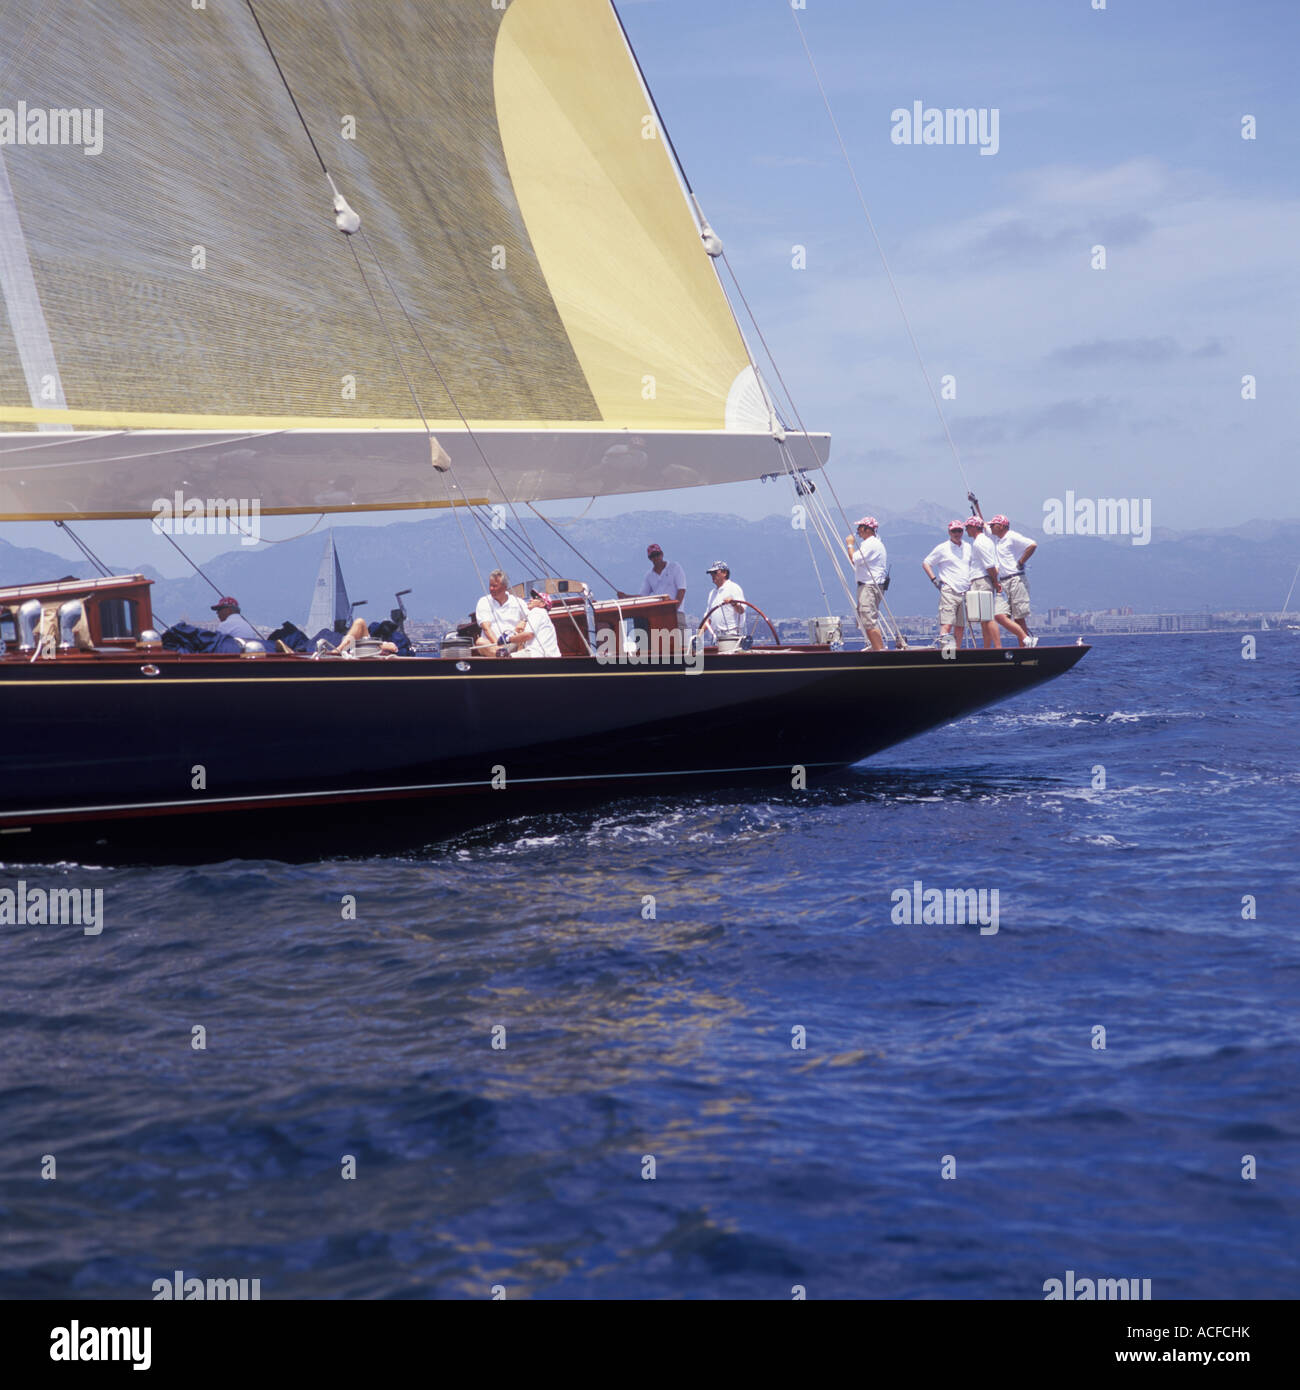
(607,220)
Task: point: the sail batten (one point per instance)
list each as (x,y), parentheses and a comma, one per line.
(530,263)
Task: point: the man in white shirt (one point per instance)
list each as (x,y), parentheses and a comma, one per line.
(985,580)
(728,621)
(869,562)
(232,623)
(664,576)
(499,613)
(948,567)
(544,640)
(1014,551)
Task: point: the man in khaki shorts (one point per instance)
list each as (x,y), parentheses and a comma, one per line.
(948,568)
(984,576)
(1014,551)
(869,562)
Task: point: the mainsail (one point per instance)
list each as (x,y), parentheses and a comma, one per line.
(179,309)
(329,599)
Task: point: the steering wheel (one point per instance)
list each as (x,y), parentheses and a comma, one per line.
(744,603)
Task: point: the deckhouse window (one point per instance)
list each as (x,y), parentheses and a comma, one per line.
(117,618)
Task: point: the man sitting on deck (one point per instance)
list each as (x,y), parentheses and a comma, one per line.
(537,630)
(499,614)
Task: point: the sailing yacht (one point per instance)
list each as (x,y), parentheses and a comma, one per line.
(330,604)
(333,258)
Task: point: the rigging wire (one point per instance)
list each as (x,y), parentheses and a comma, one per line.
(510,542)
(104,571)
(884,261)
(1287,602)
(654,105)
(341,208)
(192,564)
(716,251)
(365,281)
(473,437)
(546,521)
(402,306)
(301,118)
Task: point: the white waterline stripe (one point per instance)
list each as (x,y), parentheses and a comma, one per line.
(415,787)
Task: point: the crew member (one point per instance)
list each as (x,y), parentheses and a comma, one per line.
(1014,551)
(984,573)
(232,623)
(728,621)
(499,613)
(663,577)
(360,632)
(948,566)
(537,629)
(869,561)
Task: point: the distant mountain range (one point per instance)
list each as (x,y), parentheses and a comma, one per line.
(1246,567)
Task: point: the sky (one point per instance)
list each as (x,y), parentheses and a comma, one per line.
(1118,127)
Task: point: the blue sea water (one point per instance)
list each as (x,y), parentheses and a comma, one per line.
(629,1038)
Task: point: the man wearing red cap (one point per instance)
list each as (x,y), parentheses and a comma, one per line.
(665,576)
(984,574)
(869,560)
(543,640)
(948,569)
(232,623)
(986,569)
(1014,551)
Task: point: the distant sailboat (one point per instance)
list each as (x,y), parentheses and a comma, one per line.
(329,599)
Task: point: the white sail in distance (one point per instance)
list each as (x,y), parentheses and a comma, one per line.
(211,331)
(329,598)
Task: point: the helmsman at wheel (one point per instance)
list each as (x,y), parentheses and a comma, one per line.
(869,561)
(728,621)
